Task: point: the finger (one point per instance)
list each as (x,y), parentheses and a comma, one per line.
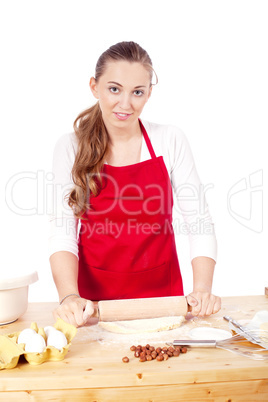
(191,300)
(217,305)
(205,306)
(197,309)
(214,305)
(209,309)
(78,314)
(211,299)
(89,310)
(69,318)
(194,303)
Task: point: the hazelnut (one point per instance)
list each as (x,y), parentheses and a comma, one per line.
(160,358)
(154,354)
(165,356)
(137,353)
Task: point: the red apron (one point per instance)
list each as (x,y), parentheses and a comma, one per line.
(126,243)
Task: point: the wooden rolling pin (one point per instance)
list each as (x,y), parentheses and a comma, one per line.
(133,309)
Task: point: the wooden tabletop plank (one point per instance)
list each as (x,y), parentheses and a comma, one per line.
(236,390)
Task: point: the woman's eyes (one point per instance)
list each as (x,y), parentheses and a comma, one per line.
(115,90)
(138,92)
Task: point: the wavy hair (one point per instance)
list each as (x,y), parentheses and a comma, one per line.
(91,133)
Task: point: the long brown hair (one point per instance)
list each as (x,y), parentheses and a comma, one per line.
(91,133)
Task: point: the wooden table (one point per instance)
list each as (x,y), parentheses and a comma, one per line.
(92,371)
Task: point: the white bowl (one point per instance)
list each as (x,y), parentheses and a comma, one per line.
(14,297)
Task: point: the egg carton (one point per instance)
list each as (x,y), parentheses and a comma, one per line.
(10,350)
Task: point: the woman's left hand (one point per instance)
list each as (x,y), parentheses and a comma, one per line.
(203,303)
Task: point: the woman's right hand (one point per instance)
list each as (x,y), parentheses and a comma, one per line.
(74,310)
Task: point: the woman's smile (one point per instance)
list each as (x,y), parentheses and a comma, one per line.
(122,116)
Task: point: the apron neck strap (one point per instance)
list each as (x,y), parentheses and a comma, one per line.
(147,140)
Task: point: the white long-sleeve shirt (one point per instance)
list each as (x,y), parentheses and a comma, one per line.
(167,141)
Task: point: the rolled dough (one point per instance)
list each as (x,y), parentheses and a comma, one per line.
(144,325)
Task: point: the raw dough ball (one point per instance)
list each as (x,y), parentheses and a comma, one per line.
(144,325)
(57,339)
(35,344)
(25,335)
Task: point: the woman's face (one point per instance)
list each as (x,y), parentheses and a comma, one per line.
(122,91)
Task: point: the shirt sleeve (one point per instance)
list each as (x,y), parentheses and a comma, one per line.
(190,196)
(63,225)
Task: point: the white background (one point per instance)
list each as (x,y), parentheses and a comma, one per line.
(211,60)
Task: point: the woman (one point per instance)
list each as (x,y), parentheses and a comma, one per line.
(114,239)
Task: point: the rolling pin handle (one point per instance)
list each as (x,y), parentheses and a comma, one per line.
(208,343)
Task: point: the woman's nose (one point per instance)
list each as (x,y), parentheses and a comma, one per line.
(124,101)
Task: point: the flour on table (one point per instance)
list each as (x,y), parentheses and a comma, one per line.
(144,325)
(264,326)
